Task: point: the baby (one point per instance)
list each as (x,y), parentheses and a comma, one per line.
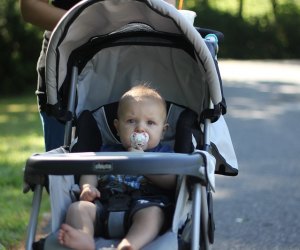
(141,124)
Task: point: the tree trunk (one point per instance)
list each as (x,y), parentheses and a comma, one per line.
(241,7)
(274,8)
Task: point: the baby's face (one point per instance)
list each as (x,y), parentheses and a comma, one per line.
(143,116)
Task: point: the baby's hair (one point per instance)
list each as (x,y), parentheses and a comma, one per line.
(141,91)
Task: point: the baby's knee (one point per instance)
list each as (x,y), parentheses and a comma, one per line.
(81,207)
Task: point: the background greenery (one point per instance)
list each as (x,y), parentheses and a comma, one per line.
(265,29)
(254,29)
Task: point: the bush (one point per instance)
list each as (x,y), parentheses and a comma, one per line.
(258,39)
(288,23)
(20,45)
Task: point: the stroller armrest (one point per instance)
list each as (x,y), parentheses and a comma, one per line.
(117,163)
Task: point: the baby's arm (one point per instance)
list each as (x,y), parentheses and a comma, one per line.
(88,186)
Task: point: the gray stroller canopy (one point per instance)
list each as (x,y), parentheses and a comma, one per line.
(177,75)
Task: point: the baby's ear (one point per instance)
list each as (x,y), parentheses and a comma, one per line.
(116,124)
(165,128)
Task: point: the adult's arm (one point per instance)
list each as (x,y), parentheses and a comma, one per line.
(41,13)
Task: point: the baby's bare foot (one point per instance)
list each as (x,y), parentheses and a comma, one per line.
(75,239)
(125,245)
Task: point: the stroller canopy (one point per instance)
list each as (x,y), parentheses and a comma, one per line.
(95,18)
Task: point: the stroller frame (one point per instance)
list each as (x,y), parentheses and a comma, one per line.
(196,165)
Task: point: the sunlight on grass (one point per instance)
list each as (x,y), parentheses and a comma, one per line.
(20,136)
(18,108)
(26,145)
(4,118)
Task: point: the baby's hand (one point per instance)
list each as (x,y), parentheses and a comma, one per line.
(135,149)
(89,193)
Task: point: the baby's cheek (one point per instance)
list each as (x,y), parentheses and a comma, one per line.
(126,145)
(125,142)
(153,141)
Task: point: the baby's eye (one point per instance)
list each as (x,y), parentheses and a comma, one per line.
(151,122)
(131,121)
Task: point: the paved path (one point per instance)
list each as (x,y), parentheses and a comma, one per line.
(260,208)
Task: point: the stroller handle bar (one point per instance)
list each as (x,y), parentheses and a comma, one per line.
(117,163)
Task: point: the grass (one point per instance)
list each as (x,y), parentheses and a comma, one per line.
(20,136)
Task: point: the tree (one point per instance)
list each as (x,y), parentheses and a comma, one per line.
(241,7)
(274,8)
(20,46)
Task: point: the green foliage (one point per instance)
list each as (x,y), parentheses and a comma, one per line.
(21,136)
(287,32)
(255,38)
(258,32)
(20,45)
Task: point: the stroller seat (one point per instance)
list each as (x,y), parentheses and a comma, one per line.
(96,127)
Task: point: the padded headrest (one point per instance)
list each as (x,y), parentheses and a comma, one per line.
(88,136)
(95,128)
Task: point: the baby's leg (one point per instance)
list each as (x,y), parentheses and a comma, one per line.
(81,215)
(79,228)
(75,239)
(146,225)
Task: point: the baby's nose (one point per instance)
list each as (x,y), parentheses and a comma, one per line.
(139,128)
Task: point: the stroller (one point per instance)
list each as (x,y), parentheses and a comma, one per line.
(99,50)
